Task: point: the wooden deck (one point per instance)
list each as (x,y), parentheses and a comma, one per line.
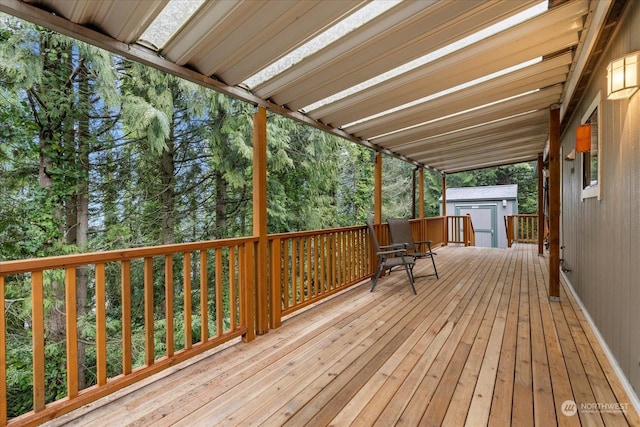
(480,346)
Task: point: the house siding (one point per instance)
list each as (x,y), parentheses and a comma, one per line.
(601,238)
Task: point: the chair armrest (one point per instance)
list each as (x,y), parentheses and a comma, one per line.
(428,243)
(393,252)
(422,242)
(395,245)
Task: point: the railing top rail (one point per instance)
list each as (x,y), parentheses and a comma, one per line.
(64,261)
(526,215)
(293,234)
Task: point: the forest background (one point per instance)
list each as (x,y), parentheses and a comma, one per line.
(100,153)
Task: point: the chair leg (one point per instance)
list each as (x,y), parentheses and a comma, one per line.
(410,276)
(376,277)
(433,261)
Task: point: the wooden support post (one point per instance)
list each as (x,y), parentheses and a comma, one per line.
(540,206)
(414,202)
(377,190)
(444,209)
(260,218)
(466,229)
(421,193)
(554,203)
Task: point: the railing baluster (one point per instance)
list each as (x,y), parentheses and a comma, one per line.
(186,290)
(278,287)
(352,253)
(101,325)
(232,287)
(37,324)
(310,281)
(316,265)
(332,259)
(247,291)
(285,279)
(294,271)
(204,311)
(322,261)
(168,303)
(125,285)
(149,346)
(343,258)
(219,290)
(301,272)
(71,324)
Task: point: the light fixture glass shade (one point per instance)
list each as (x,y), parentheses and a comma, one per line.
(622,76)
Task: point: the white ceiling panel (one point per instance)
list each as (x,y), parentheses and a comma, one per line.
(408,31)
(543,74)
(543,35)
(232,39)
(527,103)
(536,123)
(123,20)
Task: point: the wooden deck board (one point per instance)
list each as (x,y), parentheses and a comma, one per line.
(481,346)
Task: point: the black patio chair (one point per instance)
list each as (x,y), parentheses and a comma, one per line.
(390,256)
(400,231)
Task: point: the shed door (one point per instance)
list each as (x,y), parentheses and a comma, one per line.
(485,221)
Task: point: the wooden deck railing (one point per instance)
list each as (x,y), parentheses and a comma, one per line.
(306,267)
(521,228)
(207,283)
(204,296)
(309,266)
(460,230)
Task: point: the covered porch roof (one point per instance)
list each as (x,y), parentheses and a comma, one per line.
(450,85)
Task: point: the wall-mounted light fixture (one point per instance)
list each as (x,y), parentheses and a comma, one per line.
(622,76)
(583,138)
(571,156)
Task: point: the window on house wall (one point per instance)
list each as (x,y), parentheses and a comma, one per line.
(591,158)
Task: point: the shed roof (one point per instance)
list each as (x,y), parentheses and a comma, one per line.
(417,81)
(489,192)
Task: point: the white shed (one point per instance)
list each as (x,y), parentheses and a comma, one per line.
(487,206)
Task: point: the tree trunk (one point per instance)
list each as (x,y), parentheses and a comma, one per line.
(167,169)
(82,223)
(221,205)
